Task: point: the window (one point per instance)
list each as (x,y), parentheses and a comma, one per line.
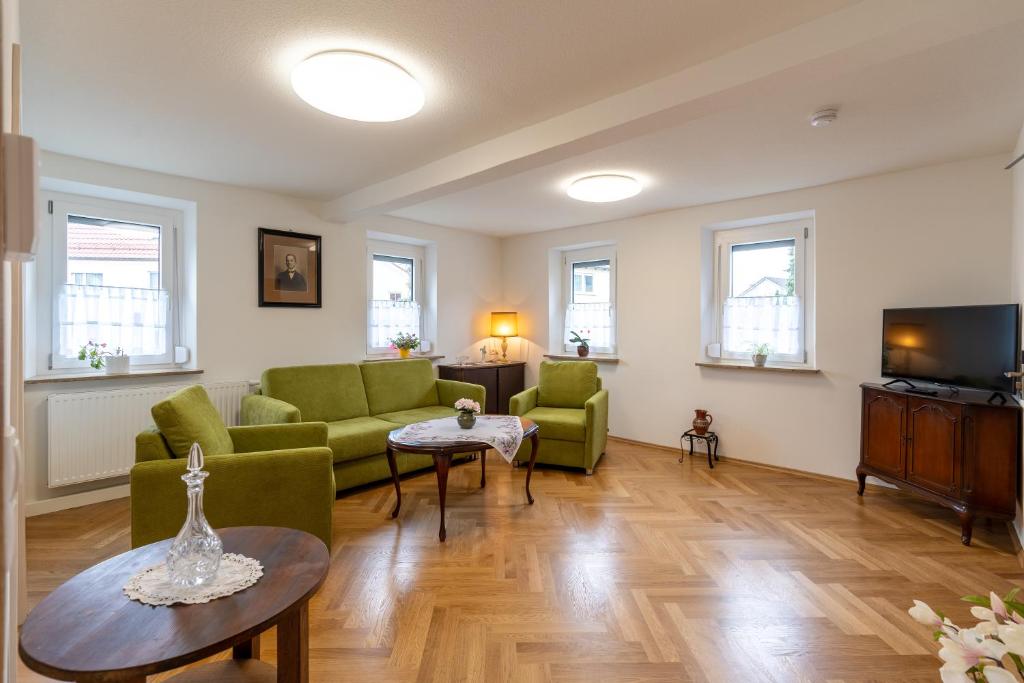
(762,291)
(590,298)
(395,284)
(113,278)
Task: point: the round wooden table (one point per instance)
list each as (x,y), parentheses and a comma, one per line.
(443,451)
(87,630)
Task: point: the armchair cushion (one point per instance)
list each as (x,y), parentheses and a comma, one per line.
(566,384)
(407,417)
(358,437)
(188,416)
(397,385)
(322,393)
(251,439)
(564,424)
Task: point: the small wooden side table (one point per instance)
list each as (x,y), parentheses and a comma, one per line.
(87,630)
(442,452)
(710,438)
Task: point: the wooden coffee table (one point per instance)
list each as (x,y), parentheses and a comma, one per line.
(87,630)
(443,451)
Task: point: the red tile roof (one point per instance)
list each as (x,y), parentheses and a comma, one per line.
(112,242)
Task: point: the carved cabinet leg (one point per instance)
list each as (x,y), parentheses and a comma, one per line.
(966,526)
(861,481)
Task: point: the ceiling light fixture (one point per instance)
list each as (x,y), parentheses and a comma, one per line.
(357,86)
(605,187)
(824,117)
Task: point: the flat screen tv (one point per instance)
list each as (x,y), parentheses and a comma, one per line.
(966,346)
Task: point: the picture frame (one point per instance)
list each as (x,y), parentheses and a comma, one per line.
(289,269)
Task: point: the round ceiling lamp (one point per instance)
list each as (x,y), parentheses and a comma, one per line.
(357,86)
(605,187)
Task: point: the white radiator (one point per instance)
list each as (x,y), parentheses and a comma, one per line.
(91,434)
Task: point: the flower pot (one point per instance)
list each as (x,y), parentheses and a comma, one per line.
(404,353)
(583,351)
(701,421)
(759,359)
(466,419)
(117,365)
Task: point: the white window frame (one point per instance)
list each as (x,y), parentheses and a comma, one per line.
(59,206)
(802,232)
(573,256)
(400,250)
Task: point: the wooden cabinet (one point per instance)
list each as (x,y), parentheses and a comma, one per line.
(959,450)
(501,380)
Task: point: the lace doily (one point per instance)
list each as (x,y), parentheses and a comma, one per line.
(152,586)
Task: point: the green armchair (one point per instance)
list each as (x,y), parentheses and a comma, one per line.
(571,409)
(273,475)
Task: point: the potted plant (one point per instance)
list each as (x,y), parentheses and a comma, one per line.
(582,344)
(404,343)
(759,354)
(117,363)
(468,410)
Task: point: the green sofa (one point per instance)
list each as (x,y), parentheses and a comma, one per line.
(571,409)
(360,403)
(277,475)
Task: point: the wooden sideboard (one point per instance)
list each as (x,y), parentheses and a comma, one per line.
(502,381)
(956,449)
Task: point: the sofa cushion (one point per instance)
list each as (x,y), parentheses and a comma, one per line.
(322,393)
(566,384)
(188,416)
(397,385)
(358,437)
(563,424)
(407,417)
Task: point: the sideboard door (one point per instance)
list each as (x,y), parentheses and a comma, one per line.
(934,454)
(883,427)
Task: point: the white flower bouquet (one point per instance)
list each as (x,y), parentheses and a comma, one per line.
(467,405)
(989,652)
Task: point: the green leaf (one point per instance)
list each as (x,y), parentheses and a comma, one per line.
(1012,594)
(977,600)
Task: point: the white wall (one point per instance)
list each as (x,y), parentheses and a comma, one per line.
(236,338)
(932,236)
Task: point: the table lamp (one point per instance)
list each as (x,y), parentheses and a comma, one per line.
(504,324)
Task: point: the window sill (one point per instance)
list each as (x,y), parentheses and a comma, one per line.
(390,356)
(597,358)
(100,376)
(753,368)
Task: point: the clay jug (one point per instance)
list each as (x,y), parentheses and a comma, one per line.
(702,421)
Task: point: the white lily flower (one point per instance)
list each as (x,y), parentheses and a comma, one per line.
(924,614)
(998,606)
(968,648)
(950,674)
(983,613)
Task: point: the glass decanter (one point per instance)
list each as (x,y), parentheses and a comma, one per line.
(195,553)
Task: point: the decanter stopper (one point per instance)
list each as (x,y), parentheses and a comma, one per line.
(196,551)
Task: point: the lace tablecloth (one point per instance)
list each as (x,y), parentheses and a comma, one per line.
(503,433)
(153,587)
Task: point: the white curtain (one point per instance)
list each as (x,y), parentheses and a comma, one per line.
(772,320)
(126,317)
(592,321)
(389,318)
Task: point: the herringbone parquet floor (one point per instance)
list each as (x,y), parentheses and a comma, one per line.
(650,570)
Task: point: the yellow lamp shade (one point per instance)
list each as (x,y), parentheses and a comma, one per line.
(504,324)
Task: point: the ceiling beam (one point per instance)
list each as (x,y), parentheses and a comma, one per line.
(868,33)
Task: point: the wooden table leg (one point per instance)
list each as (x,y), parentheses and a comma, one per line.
(711,465)
(394,477)
(483,469)
(293,646)
(247,650)
(441,464)
(534,444)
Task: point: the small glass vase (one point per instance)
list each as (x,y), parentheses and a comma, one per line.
(466,419)
(196,551)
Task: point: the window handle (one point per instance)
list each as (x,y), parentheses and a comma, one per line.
(1013,373)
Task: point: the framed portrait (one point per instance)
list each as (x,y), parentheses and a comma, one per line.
(289,265)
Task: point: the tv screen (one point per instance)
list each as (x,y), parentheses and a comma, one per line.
(968,346)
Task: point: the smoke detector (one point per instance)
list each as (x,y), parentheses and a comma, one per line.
(824,117)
